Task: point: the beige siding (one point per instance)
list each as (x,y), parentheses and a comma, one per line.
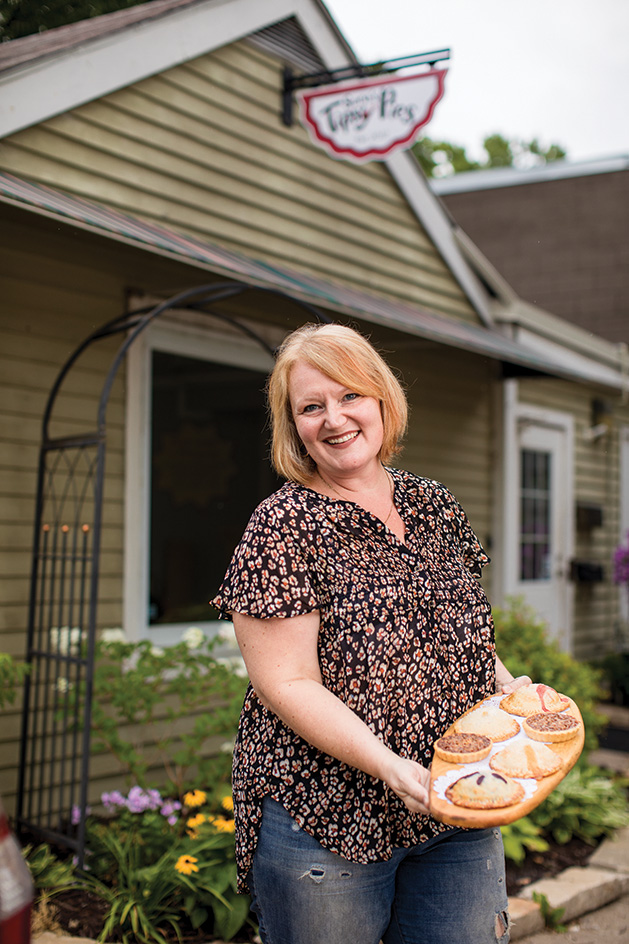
(50,304)
(596,480)
(451,422)
(202,148)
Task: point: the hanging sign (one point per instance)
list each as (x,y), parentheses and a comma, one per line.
(370,119)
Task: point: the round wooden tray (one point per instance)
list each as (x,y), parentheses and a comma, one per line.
(448,812)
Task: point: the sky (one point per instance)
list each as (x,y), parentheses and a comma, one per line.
(555,70)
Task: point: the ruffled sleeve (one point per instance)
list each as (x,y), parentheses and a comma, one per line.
(471,549)
(459,532)
(269,575)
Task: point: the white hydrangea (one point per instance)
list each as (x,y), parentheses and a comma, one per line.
(109,636)
(226,634)
(193,637)
(65,640)
(157,651)
(62,685)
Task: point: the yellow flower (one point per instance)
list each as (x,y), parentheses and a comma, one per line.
(186,864)
(193,822)
(194,798)
(227,803)
(221,824)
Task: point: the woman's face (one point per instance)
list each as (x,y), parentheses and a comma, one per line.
(341,429)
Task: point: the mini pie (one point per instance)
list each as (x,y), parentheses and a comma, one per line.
(462,748)
(551,727)
(533,698)
(490,721)
(534,761)
(484,790)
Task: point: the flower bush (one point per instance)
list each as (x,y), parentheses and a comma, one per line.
(164,865)
(621,563)
(161,855)
(186,697)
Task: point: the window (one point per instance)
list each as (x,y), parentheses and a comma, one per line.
(197,464)
(209,469)
(535,515)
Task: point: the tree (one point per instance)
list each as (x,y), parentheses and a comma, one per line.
(24,17)
(441,158)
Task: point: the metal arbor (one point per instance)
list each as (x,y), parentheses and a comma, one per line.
(63,604)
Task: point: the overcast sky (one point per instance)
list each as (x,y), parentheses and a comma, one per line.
(557,70)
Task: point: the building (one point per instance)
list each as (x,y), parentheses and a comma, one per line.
(143,158)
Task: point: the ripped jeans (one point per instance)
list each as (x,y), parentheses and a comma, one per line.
(449,890)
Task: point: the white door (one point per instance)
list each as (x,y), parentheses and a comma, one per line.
(539,532)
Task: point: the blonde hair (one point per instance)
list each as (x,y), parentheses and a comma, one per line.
(347,357)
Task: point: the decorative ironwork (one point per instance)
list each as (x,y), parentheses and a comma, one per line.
(63,607)
(292,82)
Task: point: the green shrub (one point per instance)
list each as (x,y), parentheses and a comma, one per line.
(523,646)
(615,669)
(588,804)
(12,675)
(520,837)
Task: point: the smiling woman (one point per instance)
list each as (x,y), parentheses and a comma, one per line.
(365,632)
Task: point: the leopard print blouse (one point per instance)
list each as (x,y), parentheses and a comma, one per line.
(406,640)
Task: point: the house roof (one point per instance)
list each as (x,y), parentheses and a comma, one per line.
(515,177)
(489,342)
(77,68)
(60,69)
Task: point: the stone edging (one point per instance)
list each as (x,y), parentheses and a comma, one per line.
(578,890)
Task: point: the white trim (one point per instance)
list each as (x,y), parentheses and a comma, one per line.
(515,413)
(189,340)
(411,181)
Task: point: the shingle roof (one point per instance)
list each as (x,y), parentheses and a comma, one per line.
(19,51)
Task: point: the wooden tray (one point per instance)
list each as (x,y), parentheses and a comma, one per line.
(448,812)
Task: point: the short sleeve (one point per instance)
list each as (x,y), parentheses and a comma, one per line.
(472,551)
(462,535)
(269,575)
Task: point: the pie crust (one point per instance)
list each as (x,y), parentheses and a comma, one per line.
(551,727)
(533,698)
(490,721)
(522,759)
(462,748)
(484,790)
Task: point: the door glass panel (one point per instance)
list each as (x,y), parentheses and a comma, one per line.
(209,470)
(535,515)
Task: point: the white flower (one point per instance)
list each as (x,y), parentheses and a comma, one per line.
(109,636)
(65,640)
(193,637)
(226,634)
(62,685)
(236,664)
(157,651)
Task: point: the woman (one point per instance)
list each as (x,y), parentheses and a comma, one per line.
(365,634)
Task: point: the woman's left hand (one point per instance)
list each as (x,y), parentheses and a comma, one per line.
(514,684)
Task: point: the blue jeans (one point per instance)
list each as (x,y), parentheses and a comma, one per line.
(449,890)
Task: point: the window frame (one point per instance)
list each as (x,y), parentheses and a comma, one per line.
(185,336)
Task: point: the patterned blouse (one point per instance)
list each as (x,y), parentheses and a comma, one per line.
(406,640)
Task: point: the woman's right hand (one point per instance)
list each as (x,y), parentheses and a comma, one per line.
(411,782)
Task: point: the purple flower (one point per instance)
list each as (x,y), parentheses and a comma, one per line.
(111,800)
(621,563)
(75,815)
(169,809)
(140,800)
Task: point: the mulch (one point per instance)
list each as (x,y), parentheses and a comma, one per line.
(538,865)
